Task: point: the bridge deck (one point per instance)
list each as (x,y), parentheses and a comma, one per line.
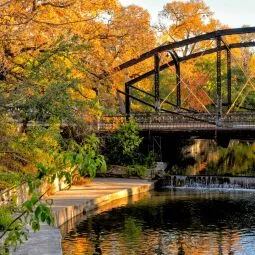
(166,122)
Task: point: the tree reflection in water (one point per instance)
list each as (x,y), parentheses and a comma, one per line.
(172,223)
(205,157)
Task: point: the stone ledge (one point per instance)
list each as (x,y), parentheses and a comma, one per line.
(62,215)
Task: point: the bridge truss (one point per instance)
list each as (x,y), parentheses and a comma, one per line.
(182,117)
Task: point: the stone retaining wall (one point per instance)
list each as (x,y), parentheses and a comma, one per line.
(19,194)
(69,212)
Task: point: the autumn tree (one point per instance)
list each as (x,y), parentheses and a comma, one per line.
(57,59)
(182,20)
(112,34)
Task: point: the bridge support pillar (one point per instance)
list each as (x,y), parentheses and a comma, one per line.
(127,100)
(157,81)
(219,89)
(229,74)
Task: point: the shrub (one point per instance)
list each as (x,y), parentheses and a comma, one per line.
(9,179)
(137,170)
(5,217)
(150,159)
(80,161)
(123,145)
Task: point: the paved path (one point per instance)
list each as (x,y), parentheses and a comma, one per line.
(79,199)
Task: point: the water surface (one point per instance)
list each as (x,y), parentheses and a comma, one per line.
(173,222)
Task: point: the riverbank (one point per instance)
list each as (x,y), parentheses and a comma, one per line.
(83,199)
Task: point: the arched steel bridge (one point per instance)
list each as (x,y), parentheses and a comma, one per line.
(179,118)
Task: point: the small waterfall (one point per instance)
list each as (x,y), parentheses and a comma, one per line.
(213,182)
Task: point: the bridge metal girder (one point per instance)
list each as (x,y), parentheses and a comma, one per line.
(178,77)
(129,96)
(219,91)
(156,81)
(157,99)
(149,94)
(229,72)
(229,78)
(192,56)
(190,115)
(161,99)
(217,36)
(127,99)
(174,45)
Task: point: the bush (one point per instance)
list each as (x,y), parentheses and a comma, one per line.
(79,161)
(5,217)
(137,170)
(122,147)
(9,179)
(150,159)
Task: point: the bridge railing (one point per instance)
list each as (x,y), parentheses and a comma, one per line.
(239,120)
(180,121)
(173,121)
(147,121)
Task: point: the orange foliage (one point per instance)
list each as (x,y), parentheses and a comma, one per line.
(112,33)
(193,93)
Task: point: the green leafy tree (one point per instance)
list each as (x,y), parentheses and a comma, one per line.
(77,160)
(83,160)
(123,145)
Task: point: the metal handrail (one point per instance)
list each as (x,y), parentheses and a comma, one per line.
(150,120)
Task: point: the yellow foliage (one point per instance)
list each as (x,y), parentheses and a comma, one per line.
(182,20)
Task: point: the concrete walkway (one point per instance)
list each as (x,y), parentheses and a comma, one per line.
(79,200)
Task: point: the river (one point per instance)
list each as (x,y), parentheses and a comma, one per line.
(171,222)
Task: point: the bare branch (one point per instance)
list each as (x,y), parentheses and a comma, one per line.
(60,5)
(64,23)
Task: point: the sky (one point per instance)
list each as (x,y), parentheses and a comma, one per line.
(234,13)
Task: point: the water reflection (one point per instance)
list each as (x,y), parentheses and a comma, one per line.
(174,223)
(204,157)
